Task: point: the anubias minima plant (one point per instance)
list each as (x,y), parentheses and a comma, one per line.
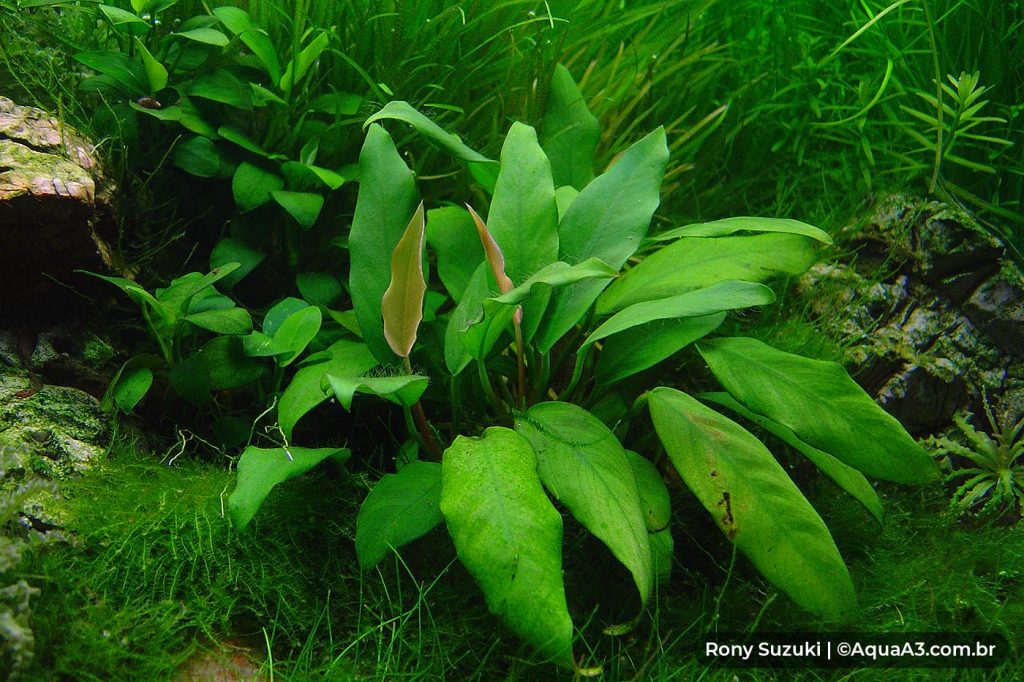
(529,356)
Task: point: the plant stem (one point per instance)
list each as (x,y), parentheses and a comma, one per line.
(485,381)
(521,364)
(420,420)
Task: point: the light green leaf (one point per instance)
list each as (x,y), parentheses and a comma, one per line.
(698,262)
(305,392)
(468,312)
(305,207)
(237,136)
(403,111)
(235,19)
(178,296)
(607,220)
(307,176)
(585,467)
(509,536)
(847,478)
(402,303)
(402,390)
(654,500)
(123,20)
(280,312)
(297,68)
(206,36)
(295,333)
(260,469)
(387,199)
(226,321)
(558,274)
(156,73)
(399,509)
(642,347)
(252,186)
(729,295)
(754,503)
(822,405)
(523,218)
(571,132)
(728,226)
(564,196)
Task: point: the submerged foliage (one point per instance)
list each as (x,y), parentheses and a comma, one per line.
(536,299)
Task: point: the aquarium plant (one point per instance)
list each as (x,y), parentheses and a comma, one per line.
(520,369)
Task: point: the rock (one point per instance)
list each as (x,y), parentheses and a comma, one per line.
(930,311)
(61,429)
(55,212)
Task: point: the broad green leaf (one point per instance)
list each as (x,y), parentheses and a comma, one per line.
(468,312)
(387,199)
(235,19)
(156,73)
(178,296)
(402,303)
(262,46)
(729,295)
(280,312)
(571,132)
(753,502)
(305,392)
(259,345)
(642,347)
(698,262)
(607,220)
(822,405)
(585,467)
(402,390)
(523,218)
(654,500)
(452,237)
(403,111)
(307,176)
(558,274)
(252,186)
(199,156)
(260,469)
(227,321)
(130,386)
(319,288)
(127,73)
(227,363)
(298,67)
(295,333)
(206,36)
(509,536)
(564,196)
(305,207)
(399,509)
(123,20)
(728,226)
(237,136)
(224,87)
(847,478)
(336,104)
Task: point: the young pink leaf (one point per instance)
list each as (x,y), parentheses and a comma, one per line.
(402,305)
(495,257)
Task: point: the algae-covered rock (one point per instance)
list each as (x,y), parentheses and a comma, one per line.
(61,429)
(930,311)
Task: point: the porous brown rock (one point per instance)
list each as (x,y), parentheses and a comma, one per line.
(930,310)
(55,213)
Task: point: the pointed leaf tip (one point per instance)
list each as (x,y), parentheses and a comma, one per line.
(402,304)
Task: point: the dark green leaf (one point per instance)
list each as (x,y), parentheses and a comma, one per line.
(399,509)
(403,389)
(199,156)
(452,236)
(260,469)
(571,132)
(402,111)
(229,321)
(319,288)
(304,207)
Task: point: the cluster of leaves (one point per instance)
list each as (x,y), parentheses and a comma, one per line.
(993,481)
(16,536)
(539,300)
